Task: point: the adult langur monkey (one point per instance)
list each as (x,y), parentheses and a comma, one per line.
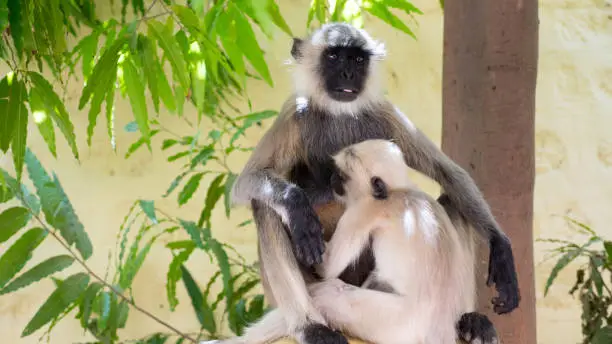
(338,102)
(423,280)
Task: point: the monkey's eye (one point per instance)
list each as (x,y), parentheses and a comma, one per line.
(332,56)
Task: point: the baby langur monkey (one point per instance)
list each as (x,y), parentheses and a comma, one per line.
(423,282)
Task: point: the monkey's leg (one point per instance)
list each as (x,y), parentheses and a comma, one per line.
(379,317)
(285,282)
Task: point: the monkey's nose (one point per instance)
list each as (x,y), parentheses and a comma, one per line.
(348,75)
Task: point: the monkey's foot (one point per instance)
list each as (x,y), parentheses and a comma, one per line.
(476,328)
(321,334)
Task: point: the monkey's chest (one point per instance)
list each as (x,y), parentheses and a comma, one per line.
(323,135)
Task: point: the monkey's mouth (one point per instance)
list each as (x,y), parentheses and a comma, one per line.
(346,90)
(345,93)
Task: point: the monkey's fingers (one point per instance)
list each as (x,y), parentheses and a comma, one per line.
(307,237)
(502,273)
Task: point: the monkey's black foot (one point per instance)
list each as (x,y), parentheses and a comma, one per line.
(502,273)
(321,334)
(476,328)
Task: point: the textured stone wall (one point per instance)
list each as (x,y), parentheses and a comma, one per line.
(574,156)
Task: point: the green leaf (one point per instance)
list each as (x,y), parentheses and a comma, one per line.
(403,5)
(142,140)
(43,120)
(4,15)
(194,231)
(168,143)
(224,266)
(178,156)
(17,110)
(278,18)
(194,292)
(86,305)
(215,190)
(40,271)
(247,42)
(249,120)
(180,245)
(15,21)
(608,247)
(106,64)
(565,259)
(382,12)
(134,262)
(149,209)
(6,194)
(596,277)
(256,308)
(203,156)
(110,115)
(229,183)
(21,191)
(336,16)
(104,305)
(11,221)
(190,187)
(174,274)
(68,292)
(603,335)
(122,314)
(171,49)
(6,126)
(59,114)
(177,180)
(149,60)
(188,18)
(179,97)
(57,207)
(89,46)
(15,258)
(135,90)
(165,91)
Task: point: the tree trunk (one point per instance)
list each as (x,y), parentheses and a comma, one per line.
(489,79)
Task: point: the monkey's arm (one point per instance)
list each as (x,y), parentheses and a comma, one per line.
(348,241)
(262,179)
(461,193)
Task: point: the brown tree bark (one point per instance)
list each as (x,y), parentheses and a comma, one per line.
(489,79)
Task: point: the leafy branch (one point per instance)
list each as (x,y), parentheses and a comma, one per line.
(594,293)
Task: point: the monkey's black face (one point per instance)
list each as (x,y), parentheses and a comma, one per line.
(345,72)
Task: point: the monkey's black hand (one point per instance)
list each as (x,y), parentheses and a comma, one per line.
(502,272)
(305,229)
(476,328)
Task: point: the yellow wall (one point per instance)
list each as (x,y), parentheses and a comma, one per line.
(574,156)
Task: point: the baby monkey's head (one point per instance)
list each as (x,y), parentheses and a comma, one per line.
(369,169)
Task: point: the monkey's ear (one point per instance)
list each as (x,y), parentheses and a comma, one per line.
(296,48)
(379,188)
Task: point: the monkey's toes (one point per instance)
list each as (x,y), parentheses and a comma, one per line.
(321,334)
(476,328)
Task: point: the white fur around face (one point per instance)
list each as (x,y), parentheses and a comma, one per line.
(308,83)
